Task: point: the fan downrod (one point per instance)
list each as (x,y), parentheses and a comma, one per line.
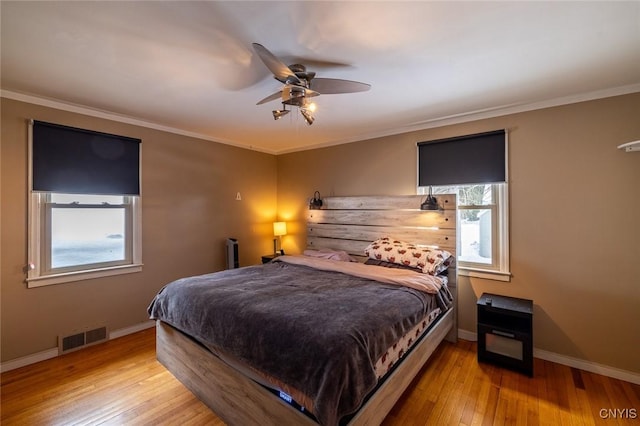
(301,72)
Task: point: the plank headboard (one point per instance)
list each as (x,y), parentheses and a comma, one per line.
(351,223)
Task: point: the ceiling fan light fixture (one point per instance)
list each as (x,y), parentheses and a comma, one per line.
(278,113)
(308,116)
(311,106)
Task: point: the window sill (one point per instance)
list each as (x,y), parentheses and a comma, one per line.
(82,275)
(485,274)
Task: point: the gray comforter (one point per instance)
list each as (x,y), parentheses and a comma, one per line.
(318,331)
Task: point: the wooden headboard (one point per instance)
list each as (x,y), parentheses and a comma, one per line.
(351,223)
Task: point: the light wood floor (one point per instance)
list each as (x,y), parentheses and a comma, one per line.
(121,383)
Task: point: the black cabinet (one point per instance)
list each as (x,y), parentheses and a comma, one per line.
(505,332)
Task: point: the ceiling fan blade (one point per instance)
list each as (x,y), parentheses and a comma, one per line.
(310,93)
(329,86)
(270,98)
(280,71)
(314,63)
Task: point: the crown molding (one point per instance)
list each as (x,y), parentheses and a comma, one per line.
(84,110)
(412,127)
(482,114)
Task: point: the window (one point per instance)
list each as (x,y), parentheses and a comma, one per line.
(483,245)
(474,168)
(75,234)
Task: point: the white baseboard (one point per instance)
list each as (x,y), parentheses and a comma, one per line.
(28,360)
(467,335)
(53,352)
(592,367)
(130,330)
(605,370)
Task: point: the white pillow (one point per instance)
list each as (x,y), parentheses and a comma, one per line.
(330,254)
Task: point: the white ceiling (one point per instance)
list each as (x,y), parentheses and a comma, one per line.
(190,67)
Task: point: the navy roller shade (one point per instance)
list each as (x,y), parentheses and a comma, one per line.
(76,161)
(479,158)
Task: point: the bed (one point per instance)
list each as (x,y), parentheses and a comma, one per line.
(306,340)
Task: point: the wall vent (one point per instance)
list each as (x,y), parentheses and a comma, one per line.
(95,335)
(86,338)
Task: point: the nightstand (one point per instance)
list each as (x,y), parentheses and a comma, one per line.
(269,257)
(505,332)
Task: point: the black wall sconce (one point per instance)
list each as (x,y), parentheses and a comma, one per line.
(316,202)
(430,203)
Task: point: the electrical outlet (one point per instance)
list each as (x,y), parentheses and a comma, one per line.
(238,197)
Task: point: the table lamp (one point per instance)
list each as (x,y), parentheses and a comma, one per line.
(279,229)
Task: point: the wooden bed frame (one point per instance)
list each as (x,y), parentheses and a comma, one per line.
(344,223)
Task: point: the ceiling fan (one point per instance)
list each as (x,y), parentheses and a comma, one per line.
(300,85)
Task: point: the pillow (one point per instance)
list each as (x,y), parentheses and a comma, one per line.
(429,260)
(390,265)
(330,254)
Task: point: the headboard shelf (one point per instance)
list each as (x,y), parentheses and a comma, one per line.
(385,202)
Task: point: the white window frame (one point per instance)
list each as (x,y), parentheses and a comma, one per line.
(39,271)
(38,276)
(499,269)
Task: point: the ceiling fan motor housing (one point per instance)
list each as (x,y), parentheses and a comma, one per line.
(293,95)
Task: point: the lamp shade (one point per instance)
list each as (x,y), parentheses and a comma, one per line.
(279,228)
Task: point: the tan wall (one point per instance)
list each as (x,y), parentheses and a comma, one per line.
(575,209)
(188,210)
(574,221)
